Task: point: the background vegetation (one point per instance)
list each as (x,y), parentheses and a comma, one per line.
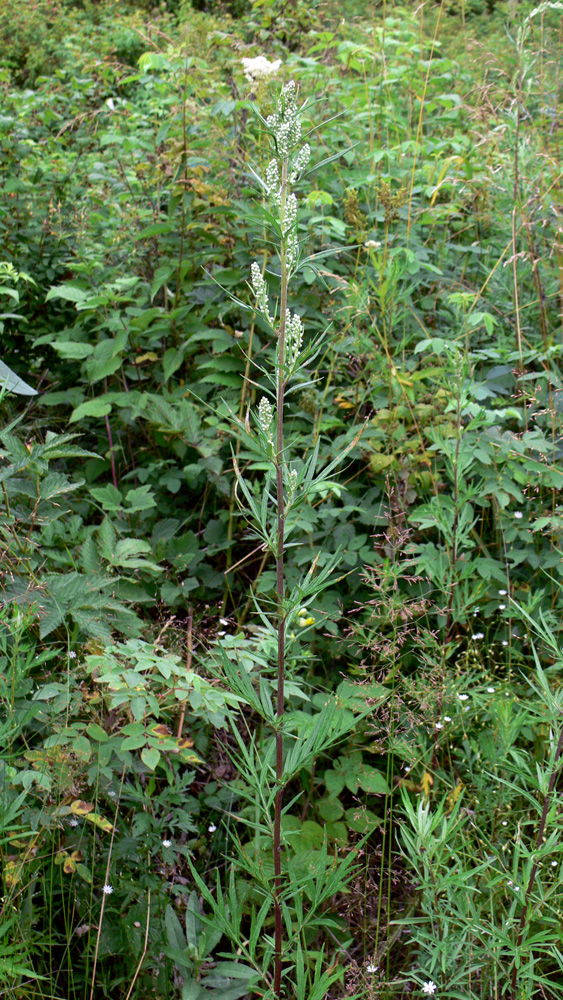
(130,216)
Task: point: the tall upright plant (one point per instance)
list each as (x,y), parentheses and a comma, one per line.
(265,758)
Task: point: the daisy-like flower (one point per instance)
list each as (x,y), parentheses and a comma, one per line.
(371,968)
(211,828)
(72,655)
(107,890)
(502,607)
(479,635)
(505,642)
(429,987)
(502,593)
(554,864)
(518,515)
(490,690)
(167,843)
(504,822)
(439,725)
(73,821)
(463,697)
(447,718)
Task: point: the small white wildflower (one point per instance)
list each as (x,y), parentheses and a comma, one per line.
(439,725)
(518,514)
(372,244)
(73,821)
(502,607)
(504,822)
(429,987)
(510,882)
(111,793)
(167,843)
(554,864)
(222,632)
(463,697)
(211,828)
(447,718)
(371,968)
(491,690)
(502,593)
(224,621)
(260,68)
(107,890)
(516,888)
(505,642)
(479,635)
(72,655)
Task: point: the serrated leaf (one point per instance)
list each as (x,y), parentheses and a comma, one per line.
(68,292)
(91,408)
(71,350)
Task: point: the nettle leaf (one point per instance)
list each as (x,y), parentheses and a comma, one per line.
(92,408)
(71,350)
(68,292)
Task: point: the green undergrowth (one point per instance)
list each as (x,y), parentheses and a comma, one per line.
(430,241)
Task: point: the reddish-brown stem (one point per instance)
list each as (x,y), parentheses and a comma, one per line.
(280,591)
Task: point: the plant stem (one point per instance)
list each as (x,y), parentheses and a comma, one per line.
(278,942)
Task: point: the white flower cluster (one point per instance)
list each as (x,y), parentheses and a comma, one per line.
(260,290)
(292,483)
(265,417)
(293,338)
(300,162)
(260,68)
(285,123)
(273,182)
(289,228)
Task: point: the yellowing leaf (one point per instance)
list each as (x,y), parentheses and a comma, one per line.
(454,795)
(185,741)
(80,808)
(149,356)
(427,782)
(100,821)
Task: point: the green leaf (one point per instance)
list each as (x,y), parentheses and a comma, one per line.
(72,350)
(150,756)
(71,293)
(13,383)
(92,408)
(372,781)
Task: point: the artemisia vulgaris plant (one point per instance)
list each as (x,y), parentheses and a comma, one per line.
(267,758)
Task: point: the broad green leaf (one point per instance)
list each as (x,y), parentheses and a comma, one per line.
(13,383)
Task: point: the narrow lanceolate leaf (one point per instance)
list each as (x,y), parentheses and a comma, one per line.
(13,383)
